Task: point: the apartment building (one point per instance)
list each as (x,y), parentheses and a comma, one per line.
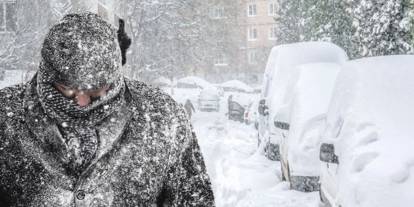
(258,26)
(249,32)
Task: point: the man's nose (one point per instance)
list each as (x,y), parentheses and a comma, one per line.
(82,99)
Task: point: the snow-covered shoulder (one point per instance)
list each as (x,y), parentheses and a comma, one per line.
(11,102)
(160,110)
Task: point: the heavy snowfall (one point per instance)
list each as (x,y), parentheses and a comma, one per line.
(294,103)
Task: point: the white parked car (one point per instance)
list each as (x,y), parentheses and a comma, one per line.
(193,82)
(367,147)
(238,103)
(300,124)
(209,99)
(279,70)
(162,82)
(236,86)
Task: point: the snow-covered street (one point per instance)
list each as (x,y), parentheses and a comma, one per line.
(240,176)
(271,103)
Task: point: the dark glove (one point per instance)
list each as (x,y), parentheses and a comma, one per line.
(123,39)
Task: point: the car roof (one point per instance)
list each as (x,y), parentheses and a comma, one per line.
(290,56)
(194,81)
(285,57)
(378,87)
(236,84)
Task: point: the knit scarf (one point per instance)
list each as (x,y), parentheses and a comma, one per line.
(77,125)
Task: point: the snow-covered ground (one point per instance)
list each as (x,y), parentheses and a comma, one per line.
(241,176)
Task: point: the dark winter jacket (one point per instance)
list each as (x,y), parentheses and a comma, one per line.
(155,161)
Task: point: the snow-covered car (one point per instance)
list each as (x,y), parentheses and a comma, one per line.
(279,70)
(238,103)
(209,99)
(367,146)
(300,124)
(193,82)
(236,111)
(236,86)
(162,82)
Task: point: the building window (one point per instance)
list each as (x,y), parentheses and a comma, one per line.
(220,60)
(273,33)
(217,13)
(252,57)
(8,16)
(252,34)
(272,9)
(251,10)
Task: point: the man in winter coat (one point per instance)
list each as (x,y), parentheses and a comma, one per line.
(80,134)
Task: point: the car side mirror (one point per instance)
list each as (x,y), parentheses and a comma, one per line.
(327,153)
(262,108)
(281,125)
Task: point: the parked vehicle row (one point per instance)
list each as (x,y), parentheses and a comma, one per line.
(210,97)
(340,127)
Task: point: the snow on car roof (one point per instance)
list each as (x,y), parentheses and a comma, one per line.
(380,87)
(243,99)
(285,57)
(193,80)
(236,84)
(163,80)
(211,90)
(375,98)
(291,55)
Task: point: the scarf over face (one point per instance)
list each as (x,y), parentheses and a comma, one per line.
(80,52)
